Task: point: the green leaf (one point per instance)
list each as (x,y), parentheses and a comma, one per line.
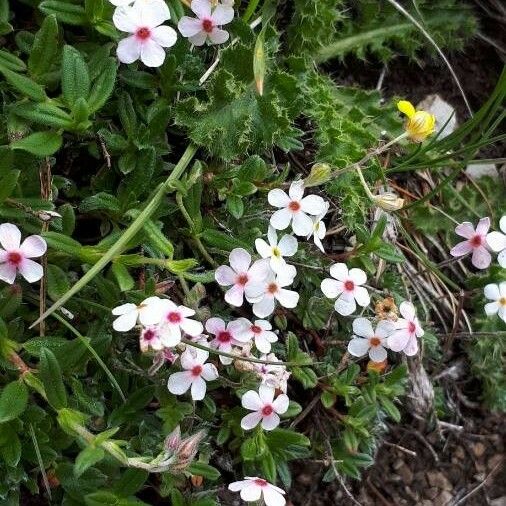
(205,470)
(11,62)
(51,377)
(235,206)
(7,183)
(57,281)
(103,86)
(13,401)
(24,85)
(45,114)
(39,143)
(44,48)
(75,76)
(65,12)
(123,277)
(103,498)
(87,458)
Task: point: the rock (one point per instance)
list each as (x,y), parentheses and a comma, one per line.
(479,449)
(406,474)
(431,493)
(460,453)
(443,111)
(477,170)
(500,501)
(493,461)
(443,498)
(398,464)
(439,480)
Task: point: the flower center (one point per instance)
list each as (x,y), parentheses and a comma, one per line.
(143,33)
(256,329)
(260,482)
(242,279)
(267,410)
(14,258)
(411,327)
(174,317)
(272,288)
(207,25)
(276,252)
(502,301)
(374,341)
(197,370)
(224,337)
(349,285)
(476,241)
(149,334)
(294,206)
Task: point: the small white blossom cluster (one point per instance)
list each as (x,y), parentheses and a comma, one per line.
(478,243)
(148,37)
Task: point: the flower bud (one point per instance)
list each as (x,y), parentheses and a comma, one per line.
(389,201)
(197,480)
(320,173)
(186,451)
(173,440)
(386,309)
(378,367)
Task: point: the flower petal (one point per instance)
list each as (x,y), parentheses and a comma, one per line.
(124,20)
(362,327)
(398,340)
(273,497)
(251,420)
(483,226)
(224,275)
(251,492)
(264,307)
(378,353)
(8,273)
(492,308)
(192,327)
(461,249)
(198,390)
(331,288)
(344,307)
(30,270)
(259,271)
(302,224)
(281,219)
(151,13)
(492,292)
(264,250)
(128,50)
(124,308)
(10,236)
(240,260)
(296,190)
(278,198)
(288,245)
(339,271)
(199,39)
(238,485)
(270,422)
(287,298)
(266,394)
(218,36)
(358,346)
(202,8)
(33,246)
(481,258)
(179,382)
(412,347)
(496,241)
(501,258)
(189,26)
(223,14)
(164,35)
(209,372)
(312,204)
(251,400)
(465,229)
(406,108)
(407,310)
(362,296)
(281,403)
(152,54)
(358,276)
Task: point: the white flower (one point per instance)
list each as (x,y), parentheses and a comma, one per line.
(206,25)
(148,312)
(15,256)
(295,208)
(408,328)
(366,339)
(275,376)
(275,250)
(497,242)
(475,243)
(225,336)
(196,373)
(346,286)
(496,293)
(240,275)
(252,489)
(174,320)
(150,338)
(260,331)
(265,408)
(148,38)
(319,229)
(263,296)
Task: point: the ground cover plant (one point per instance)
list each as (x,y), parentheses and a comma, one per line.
(218,264)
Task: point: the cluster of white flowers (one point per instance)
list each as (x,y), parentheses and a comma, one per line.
(144,21)
(478,243)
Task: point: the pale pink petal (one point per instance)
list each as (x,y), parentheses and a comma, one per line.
(224,275)
(385,328)
(302,224)
(215,326)
(150,315)
(461,249)
(272,497)
(264,250)
(296,190)
(192,327)
(30,270)
(198,390)
(124,309)
(358,346)
(235,296)
(259,271)
(362,327)
(361,296)
(272,236)
(266,394)
(251,400)
(398,340)
(186,311)
(281,219)
(412,347)
(222,14)
(3,256)
(278,198)
(288,245)
(151,13)
(125,322)
(33,246)
(270,422)
(170,335)
(331,288)
(152,54)
(240,329)
(286,276)
(218,36)
(492,292)
(202,8)
(358,276)
(209,372)
(124,20)
(240,260)
(264,307)
(492,308)
(8,273)
(344,307)
(251,492)
(287,298)
(237,485)
(465,229)
(199,38)
(164,35)
(501,258)
(483,226)
(251,420)
(339,272)
(128,50)
(262,344)
(496,241)
(179,382)
(481,258)
(281,403)
(407,310)
(10,236)
(255,291)
(189,26)
(377,353)
(312,204)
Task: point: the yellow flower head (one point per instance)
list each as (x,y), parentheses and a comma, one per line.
(420,124)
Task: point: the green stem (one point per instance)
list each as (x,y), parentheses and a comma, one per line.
(127,235)
(252,5)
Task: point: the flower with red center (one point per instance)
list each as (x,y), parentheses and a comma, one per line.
(260,331)
(148,312)
(15,256)
(196,373)
(240,274)
(148,39)
(276,251)
(225,337)
(265,409)
(294,208)
(497,242)
(252,489)
(206,26)
(264,295)
(497,294)
(407,330)
(365,339)
(346,286)
(475,243)
(150,338)
(175,320)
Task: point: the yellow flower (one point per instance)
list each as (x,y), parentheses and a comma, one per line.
(420,124)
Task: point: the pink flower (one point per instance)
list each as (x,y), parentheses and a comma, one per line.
(265,408)
(240,275)
(346,286)
(260,331)
(148,38)
(196,373)
(476,242)
(225,336)
(150,338)
(294,208)
(252,489)
(15,257)
(206,25)
(366,339)
(174,320)
(408,328)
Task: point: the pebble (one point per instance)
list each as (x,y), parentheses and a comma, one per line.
(439,480)
(443,498)
(479,449)
(443,111)
(431,493)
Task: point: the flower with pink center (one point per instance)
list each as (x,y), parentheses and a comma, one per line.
(148,39)
(252,489)
(15,256)
(407,330)
(150,338)
(174,320)
(260,331)
(294,209)
(475,243)
(196,373)
(497,242)
(366,339)
(264,295)
(265,409)
(497,294)
(148,312)
(240,275)
(162,357)
(206,26)
(346,286)
(225,336)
